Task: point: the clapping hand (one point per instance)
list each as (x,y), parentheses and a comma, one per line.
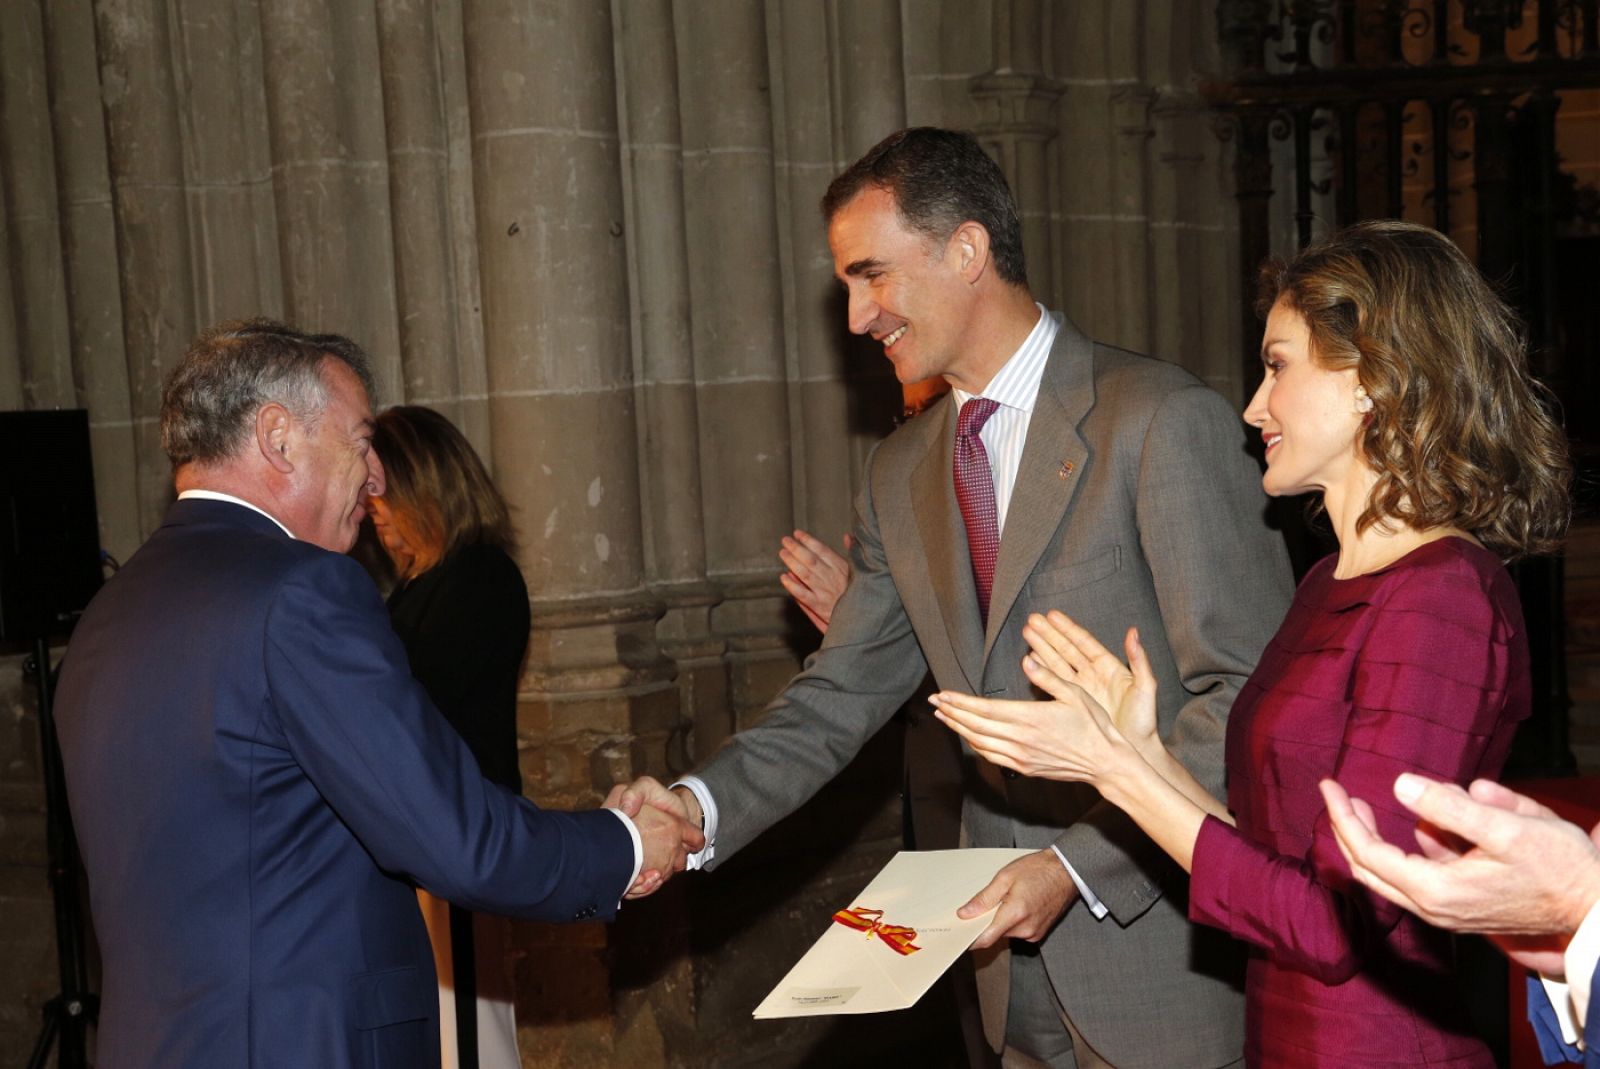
(1079,734)
(1492,861)
(817,576)
(668,830)
(1064,653)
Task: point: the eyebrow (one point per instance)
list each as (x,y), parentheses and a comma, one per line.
(858,267)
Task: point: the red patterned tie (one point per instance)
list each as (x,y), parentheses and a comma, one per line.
(975,495)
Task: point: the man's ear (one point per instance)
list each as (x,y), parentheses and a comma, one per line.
(970,244)
(273,424)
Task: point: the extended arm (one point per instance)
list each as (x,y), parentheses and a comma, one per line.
(869,664)
(363,731)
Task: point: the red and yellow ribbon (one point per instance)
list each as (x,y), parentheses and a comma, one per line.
(897,936)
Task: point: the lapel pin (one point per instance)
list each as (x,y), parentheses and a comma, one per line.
(1066,469)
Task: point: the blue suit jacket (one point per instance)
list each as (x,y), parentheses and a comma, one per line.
(257,783)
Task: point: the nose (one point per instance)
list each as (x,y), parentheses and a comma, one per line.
(1255,413)
(863,310)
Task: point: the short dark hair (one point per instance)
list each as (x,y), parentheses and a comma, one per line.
(939,179)
(232,369)
(436,479)
(1460,433)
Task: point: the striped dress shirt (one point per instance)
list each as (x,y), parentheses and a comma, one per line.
(1014,388)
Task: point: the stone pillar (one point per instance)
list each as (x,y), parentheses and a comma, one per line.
(33,225)
(228,166)
(324,95)
(94,285)
(734,271)
(1192,231)
(829,108)
(431,203)
(668,426)
(561,407)
(154,241)
(1017,123)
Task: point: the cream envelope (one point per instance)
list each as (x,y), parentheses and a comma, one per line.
(856,968)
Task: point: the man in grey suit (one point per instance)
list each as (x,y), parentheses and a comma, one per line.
(1111,486)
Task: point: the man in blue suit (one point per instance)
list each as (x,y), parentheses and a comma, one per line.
(1496,862)
(257,781)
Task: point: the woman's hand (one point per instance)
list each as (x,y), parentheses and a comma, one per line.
(1071,738)
(1065,654)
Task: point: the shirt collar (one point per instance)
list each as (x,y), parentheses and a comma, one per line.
(217,495)
(1016,384)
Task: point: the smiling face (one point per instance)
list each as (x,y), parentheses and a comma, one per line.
(1306,413)
(335,467)
(905,289)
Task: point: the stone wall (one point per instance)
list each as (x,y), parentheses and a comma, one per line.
(588,233)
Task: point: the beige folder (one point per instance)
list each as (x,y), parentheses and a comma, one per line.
(899,935)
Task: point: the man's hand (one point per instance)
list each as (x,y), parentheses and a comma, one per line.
(1032,893)
(1493,861)
(669,829)
(817,576)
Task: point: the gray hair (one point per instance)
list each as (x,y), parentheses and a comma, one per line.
(210,400)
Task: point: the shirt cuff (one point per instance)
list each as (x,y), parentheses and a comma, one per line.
(638,846)
(708,819)
(1582,954)
(1097,907)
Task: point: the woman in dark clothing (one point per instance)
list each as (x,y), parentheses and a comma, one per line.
(461,609)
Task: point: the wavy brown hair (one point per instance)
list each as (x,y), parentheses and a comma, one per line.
(1460,433)
(432,474)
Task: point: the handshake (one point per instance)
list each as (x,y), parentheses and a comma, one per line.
(669,824)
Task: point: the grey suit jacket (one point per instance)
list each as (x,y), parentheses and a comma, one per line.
(1135,505)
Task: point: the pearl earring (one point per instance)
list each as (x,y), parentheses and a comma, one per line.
(1363,402)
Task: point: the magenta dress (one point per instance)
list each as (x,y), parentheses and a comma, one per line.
(1421,666)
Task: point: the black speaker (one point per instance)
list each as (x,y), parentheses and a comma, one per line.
(49,535)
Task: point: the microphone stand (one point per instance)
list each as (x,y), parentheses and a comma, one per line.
(66,1016)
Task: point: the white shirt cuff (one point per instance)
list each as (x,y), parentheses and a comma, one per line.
(1570,1000)
(1096,907)
(638,846)
(1582,954)
(708,819)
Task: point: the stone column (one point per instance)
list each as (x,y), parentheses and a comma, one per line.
(668,423)
(33,224)
(830,106)
(1017,123)
(734,271)
(154,241)
(424,113)
(228,165)
(324,95)
(555,307)
(94,286)
(1193,231)
(550,214)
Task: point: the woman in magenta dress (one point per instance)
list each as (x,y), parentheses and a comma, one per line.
(1396,386)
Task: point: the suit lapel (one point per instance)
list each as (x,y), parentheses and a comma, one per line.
(944,542)
(1052,466)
